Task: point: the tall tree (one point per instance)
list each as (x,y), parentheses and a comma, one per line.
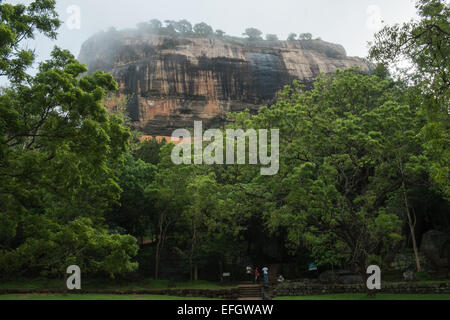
(424,45)
(203,29)
(271,37)
(60,153)
(253,34)
(305,36)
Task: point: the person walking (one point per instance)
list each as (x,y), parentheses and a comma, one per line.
(249,273)
(256,275)
(266,274)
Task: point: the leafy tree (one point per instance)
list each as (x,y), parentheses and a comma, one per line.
(143,26)
(60,153)
(169,28)
(20,23)
(253,34)
(155,24)
(168,196)
(49,248)
(342,154)
(292,37)
(425,45)
(149,150)
(134,212)
(183,26)
(305,36)
(220,33)
(271,37)
(203,29)
(200,217)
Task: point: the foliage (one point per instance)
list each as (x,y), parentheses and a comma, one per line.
(292,37)
(305,36)
(203,29)
(271,37)
(20,23)
(253,34)
(341,153)
(60,152)
(424,45)
(220,33)
(404,261)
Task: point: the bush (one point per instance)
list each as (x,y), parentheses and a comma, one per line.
(423,276)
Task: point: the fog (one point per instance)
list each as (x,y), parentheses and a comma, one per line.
(350,23)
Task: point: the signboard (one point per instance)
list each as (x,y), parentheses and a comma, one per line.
(226,274)
(312,267)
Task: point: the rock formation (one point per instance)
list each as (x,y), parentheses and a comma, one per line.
(170,81)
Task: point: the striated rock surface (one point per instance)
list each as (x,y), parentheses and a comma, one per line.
(170,81)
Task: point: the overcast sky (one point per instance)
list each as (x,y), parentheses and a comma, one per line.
(351,23)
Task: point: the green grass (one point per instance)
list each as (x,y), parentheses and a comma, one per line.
(161,297)
(379,296)
(92,284)
(93,297)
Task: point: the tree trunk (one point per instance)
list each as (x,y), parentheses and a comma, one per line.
(158,247)
(191,255)
(196,272)
(157,260)
(411,228)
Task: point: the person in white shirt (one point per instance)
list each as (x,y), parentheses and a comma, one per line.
(266,274)
(249,272)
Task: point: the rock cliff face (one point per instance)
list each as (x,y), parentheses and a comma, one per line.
(170,81)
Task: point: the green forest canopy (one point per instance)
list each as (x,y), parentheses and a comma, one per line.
(358,153)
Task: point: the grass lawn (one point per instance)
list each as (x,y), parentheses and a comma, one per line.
(93,297)
(379,296)
(42,283)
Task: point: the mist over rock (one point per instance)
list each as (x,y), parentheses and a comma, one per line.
(171,80)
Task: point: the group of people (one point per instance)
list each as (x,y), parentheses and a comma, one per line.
(256,275)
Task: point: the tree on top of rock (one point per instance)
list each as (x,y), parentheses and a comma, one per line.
(203,29)
(183,26)
(271,37)
(292,37)
(305,36)
(253,34)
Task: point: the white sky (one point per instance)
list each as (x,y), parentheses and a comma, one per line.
(350,23)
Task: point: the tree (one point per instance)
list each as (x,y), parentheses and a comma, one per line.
(305,36)
(199,214)
(143,26)
(155,24)
(253,34)
(425,45)
(203,29)
(149,150)
(134,212)
(51,247)
(271,37)
(169,29)
(20,23)
(340,162)
(183,26)
(292,37)
(60,155)
(168,196)
(220,33)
